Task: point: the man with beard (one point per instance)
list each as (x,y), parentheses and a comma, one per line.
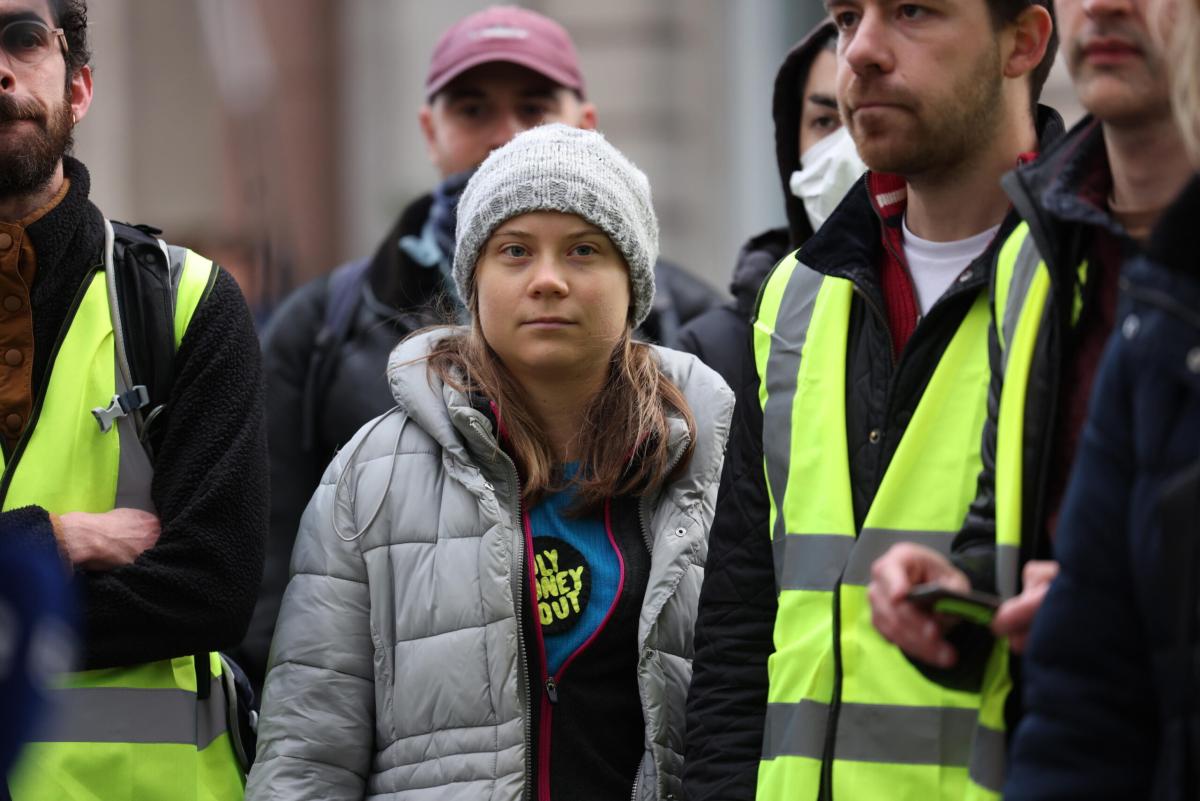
(871,352)
(1089,204)
(147,474)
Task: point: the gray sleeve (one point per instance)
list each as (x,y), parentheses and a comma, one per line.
(317,727)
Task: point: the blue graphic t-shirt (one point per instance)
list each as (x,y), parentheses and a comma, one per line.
(577,573)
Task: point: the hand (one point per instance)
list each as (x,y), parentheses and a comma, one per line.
(919,633)
(1014,618)
(108,540)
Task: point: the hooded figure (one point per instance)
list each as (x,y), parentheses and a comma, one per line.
(805,112)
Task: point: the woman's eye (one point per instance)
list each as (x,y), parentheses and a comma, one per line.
(514,251)
(827,123)
(584,250)
(910,12)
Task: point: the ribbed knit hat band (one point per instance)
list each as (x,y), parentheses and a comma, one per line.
(560,168)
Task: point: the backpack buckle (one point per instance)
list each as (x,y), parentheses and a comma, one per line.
(123,403)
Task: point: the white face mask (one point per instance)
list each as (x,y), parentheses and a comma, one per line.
(831,167)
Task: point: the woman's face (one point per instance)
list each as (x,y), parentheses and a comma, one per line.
(819,115)
(553,295)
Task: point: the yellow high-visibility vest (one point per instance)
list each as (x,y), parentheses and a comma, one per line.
(1022,291)
(846,709)
(129,733)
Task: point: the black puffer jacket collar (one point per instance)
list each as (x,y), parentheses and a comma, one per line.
(1062,194)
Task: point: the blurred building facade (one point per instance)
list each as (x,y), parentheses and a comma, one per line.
(281,136)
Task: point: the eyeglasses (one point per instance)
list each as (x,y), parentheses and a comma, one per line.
(30,41)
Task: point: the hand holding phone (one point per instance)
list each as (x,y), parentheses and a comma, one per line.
(972,606)
(916,630)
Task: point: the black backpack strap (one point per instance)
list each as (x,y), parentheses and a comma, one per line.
(143,292)
(343,293)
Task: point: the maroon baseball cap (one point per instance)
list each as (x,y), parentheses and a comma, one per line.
(505,33)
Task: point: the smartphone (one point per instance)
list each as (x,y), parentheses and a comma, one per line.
(974,607)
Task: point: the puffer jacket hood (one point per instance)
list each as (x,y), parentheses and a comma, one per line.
(444,413)
(440,409)
(1050,195)
(397,666)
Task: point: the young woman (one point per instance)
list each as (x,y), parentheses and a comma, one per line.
(494,588)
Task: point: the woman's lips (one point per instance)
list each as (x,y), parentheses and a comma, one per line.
(548,322)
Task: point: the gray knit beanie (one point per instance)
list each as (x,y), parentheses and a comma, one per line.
(560,168)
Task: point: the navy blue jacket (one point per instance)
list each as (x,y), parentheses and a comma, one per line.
(1112,670)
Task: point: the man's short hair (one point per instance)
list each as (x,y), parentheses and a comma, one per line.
(1005,12)
(71,16)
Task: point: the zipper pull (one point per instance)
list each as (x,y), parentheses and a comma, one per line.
(552,690)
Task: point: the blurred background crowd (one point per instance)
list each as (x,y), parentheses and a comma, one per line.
(301,118)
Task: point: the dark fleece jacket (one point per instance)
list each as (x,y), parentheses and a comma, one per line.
(1113,663)
(194,590)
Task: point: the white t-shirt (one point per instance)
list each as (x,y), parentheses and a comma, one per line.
(935,265)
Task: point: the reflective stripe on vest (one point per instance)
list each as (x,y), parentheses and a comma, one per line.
(121,733)
(63,438)
(1021,307)
(881,728)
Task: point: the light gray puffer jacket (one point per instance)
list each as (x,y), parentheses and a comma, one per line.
(396,670)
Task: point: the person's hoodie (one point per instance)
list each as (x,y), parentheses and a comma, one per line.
(721,336)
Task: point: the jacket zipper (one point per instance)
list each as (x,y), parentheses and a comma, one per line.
(10,464)
(637,778)
(518,593)
(551,683)
(545,712)
(898,362)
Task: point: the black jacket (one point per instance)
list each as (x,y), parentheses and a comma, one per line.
(1113,667)
(727,700)
(194,590)
(307,423)
(1049,196)
(718,336)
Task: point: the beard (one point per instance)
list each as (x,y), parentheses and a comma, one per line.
(933,134)
(28,163)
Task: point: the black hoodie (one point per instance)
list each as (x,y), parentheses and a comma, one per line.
(720,337)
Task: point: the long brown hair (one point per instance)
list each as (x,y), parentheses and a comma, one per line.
(624,441)
(1184,49)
